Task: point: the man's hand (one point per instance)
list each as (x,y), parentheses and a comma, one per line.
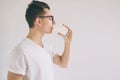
(68,36)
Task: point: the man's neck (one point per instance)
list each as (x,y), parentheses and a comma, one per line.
(36,37)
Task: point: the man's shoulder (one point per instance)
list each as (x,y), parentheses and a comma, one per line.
(20,47)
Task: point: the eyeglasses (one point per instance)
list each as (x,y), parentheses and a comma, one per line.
(52,17)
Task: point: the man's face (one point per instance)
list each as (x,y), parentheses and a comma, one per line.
(47,22)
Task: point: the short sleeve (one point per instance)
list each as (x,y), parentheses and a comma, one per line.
(17,63)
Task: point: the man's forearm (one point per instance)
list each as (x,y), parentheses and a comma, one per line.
(14,76)
(66,54)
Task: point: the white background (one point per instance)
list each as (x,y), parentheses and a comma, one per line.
(95,51)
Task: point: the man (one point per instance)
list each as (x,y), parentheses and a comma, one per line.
(33,59)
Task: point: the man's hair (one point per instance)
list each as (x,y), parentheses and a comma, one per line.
(34,10)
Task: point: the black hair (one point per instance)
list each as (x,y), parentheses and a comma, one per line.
(34,10)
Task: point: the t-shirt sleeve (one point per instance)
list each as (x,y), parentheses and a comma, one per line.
(17,63)
(50,49)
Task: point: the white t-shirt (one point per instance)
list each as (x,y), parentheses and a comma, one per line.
(32,61)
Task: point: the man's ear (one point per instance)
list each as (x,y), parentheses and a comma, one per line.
(38,21)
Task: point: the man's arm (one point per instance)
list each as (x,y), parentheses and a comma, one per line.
(63,59)
(14,76)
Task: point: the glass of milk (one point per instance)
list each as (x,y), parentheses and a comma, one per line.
(60,28)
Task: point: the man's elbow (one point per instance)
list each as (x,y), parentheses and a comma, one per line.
(64,65)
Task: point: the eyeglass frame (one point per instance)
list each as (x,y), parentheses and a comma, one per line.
(47,17)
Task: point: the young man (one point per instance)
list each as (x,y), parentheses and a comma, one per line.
(33,59)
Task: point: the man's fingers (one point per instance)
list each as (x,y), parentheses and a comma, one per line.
(61,34)
(66,27)
(69,32)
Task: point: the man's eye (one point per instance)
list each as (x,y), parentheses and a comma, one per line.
(50,18)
